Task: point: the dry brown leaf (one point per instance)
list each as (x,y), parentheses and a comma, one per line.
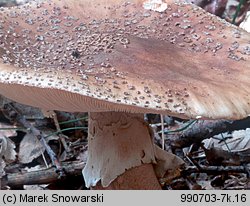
(5,132)
(2,166)
(168,165)
(30,148)
(229,151)
(7,147)
(240,141)
(166,162)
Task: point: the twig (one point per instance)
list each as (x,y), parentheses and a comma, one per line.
(205,129)
(13,113)
(162,132)
(42,176)
(61,136)
(12,128)
(214,170)
(191,160)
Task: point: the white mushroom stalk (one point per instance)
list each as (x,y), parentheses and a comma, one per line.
(117,142)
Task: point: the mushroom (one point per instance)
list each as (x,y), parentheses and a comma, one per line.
(118,60)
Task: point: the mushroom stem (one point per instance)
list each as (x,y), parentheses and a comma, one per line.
(137,178)
(121,152)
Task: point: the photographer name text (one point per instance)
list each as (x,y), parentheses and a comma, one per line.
(53,198)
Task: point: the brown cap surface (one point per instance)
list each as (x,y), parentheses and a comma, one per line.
(144,57)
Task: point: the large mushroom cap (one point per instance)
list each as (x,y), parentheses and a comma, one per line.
(144,56)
